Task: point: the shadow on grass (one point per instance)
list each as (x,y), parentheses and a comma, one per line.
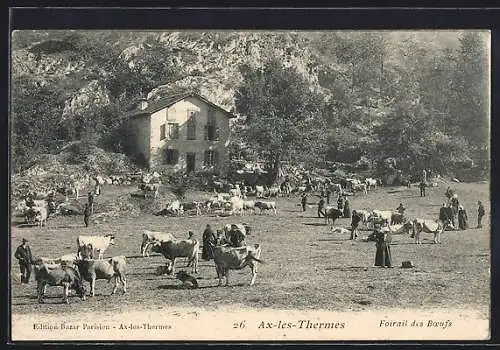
(181,287)
(340,240)
(342,268)
(313,224)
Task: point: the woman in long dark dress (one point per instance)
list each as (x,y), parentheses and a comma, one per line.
(462,218)
(383,256)
(347,209)
(209,240)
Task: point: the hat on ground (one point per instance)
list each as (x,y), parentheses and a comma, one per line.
(407,264)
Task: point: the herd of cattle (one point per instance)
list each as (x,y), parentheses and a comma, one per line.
(71,270)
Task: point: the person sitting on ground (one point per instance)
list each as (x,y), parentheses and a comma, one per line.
(401,209)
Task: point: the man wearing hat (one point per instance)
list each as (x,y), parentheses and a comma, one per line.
(23,255)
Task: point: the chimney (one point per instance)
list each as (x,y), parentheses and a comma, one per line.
(143,104)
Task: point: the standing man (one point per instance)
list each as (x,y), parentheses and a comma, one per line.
(422,188)
(86,215)
(328,194)
(340,202)
(480,214)
(355,220)
(90,201)
(424,176)
(23,255)
(304,201)
(321,207)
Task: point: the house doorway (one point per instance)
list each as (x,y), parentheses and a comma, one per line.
(190,162)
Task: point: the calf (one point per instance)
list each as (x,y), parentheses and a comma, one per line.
(370,183)
(41,214)
(332,213)
(259,191)
(429,226)
(380,216)
(230,258)
(150,187)
(266,206)
(150,237)
(178,248)
(64,276)
(248,205)
(92,270)
(360,187)
(273,192)
(99,243)
(237,205)
(398,218)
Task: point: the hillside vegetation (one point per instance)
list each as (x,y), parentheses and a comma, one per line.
(419,97)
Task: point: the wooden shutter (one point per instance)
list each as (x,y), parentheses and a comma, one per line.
(205,158)
(216,158)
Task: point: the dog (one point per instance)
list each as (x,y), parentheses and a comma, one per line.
(187,280)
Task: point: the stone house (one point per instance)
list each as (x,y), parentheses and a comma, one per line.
(183,132)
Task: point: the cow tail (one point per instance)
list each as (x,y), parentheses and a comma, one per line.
(250,256)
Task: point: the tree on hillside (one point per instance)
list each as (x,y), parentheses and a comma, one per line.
(284,119)
(472,104)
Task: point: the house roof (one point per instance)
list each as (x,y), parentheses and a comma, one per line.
(167,101)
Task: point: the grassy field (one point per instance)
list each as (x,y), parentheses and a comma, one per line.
(306,265)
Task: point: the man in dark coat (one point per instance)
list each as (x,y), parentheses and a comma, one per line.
(209,240)
(480,214)
(304,201)
(86,215)
(23,255)
(90,202)
(321,207)
(355,220)
(383,256)
(328,193)
(422,187)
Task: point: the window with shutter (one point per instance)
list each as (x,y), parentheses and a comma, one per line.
(191,125)
(173,131)
(205,131)
(171,156)
(162,132)
(206,158)
(215,158)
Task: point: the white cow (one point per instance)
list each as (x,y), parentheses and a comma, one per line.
(266,206)
(150,237)
(236,205)
(371,183)
(98,243)
(429,226)
(259,191)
